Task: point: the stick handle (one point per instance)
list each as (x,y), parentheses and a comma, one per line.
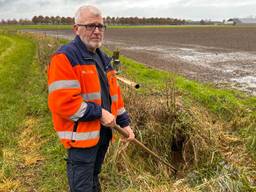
(128,82)
(125,134)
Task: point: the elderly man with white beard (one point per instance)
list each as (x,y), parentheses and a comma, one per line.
(85,100)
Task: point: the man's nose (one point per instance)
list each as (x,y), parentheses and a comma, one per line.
(96,30)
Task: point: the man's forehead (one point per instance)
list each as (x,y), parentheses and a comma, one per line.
(90,17)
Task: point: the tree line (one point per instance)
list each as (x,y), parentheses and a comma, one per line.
(143,21)
(107,20)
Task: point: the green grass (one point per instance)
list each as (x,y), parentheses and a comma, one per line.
(30,149)
(220,177)
(14,70)
(12,78)
(5,43)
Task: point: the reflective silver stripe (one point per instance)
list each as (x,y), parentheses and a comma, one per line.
(121,111)
(65,134)
(91,96)
(62,84)
(78,136)
(80,112)
(85,136)
(114,98)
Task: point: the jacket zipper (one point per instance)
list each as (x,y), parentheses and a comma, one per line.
(95,63)
(74,130)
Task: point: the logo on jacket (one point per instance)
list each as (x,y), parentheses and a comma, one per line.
(88,72)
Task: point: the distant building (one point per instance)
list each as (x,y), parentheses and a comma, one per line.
(229,22)
(241,21)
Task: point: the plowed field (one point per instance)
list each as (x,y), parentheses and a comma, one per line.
(222,55)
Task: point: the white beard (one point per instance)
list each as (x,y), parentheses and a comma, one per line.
(91,45)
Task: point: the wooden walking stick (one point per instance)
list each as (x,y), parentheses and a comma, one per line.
(125,134)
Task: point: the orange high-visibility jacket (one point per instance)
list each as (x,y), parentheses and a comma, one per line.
(75,95)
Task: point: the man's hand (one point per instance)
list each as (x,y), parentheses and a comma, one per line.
(107,119)
(130,132)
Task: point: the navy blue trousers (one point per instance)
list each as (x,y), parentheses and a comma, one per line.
(84,165)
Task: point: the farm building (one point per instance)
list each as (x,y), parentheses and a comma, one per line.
(241,21)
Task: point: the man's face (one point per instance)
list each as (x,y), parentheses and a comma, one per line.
(91,36)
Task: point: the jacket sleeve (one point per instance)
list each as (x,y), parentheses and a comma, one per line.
(64,92)
(123,118)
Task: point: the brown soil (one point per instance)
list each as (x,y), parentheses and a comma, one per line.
(220,55)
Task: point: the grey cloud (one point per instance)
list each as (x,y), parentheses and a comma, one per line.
(44,3)
(6,3)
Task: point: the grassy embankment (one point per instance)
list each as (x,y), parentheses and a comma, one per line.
(209,120)
(30,155)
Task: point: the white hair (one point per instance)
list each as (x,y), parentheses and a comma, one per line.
(87,8)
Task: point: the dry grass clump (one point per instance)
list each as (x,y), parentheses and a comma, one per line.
(181,132)
(173,127)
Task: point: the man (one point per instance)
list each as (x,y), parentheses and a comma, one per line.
(85,100)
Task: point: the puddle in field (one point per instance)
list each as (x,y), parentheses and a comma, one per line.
(237,67)
(246,83)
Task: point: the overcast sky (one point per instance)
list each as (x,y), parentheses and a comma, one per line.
(182,9)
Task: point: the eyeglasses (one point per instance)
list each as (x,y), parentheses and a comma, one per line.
(92,27)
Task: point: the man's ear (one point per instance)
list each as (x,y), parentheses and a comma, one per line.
(75,29)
